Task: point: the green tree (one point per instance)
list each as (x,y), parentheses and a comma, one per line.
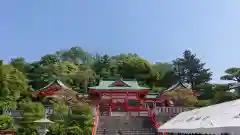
(167,76)
(76,55)
(82,118)
(49,59)
(191,69)
(13,83)
(6,122)
(205,91)
(32,111)
(83,79)
(133,67)
(222,94)
(232,74)
(182,97)
(46,74)
(20,64)
(59,116)
(105,66)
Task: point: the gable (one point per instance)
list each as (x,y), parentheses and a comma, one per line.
(119,83)
(179,86)
(51,88)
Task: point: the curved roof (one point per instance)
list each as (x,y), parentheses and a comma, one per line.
(179,85)
(59,89)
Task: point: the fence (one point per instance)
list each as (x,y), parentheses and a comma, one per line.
(169,111)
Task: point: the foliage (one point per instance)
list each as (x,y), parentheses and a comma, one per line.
(76,55)
(59,116)
(167,76)
(82,117)
(49,59)
(191,69)
(203,103)
(6,122)
(20,64)
(182,97)
(13,81)
(232,74)
(32,111)
(13,84)
(222,94)
(206,91)
(78,69)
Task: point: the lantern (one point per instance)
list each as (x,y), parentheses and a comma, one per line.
(43,126)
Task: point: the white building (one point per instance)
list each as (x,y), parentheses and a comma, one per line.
(214,119)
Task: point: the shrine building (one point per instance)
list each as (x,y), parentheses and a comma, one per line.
(124,95)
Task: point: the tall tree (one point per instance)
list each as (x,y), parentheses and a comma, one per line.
(49,59)
(131,66)
(83,79)
(20,64)
(191,69)
(104,66)
(167,76)
(76,55)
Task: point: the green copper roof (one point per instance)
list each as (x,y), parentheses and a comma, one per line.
(110,85)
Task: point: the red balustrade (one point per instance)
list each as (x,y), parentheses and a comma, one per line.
(7,132)
(96,120)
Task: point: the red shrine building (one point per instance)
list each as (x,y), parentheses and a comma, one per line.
(128,95)
(120,95)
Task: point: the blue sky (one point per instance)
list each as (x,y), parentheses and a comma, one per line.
(158,30)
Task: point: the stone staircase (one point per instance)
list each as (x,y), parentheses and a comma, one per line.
(105,110)
(125,125)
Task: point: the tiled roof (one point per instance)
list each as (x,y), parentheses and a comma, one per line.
(108,85)
(179,85)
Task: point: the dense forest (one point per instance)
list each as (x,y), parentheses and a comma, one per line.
(79,69)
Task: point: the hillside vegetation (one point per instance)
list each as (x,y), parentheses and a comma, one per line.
(79,69)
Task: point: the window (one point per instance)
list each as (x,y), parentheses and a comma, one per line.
(118,100)
(132,102)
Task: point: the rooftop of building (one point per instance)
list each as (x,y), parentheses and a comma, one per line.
(118,84)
